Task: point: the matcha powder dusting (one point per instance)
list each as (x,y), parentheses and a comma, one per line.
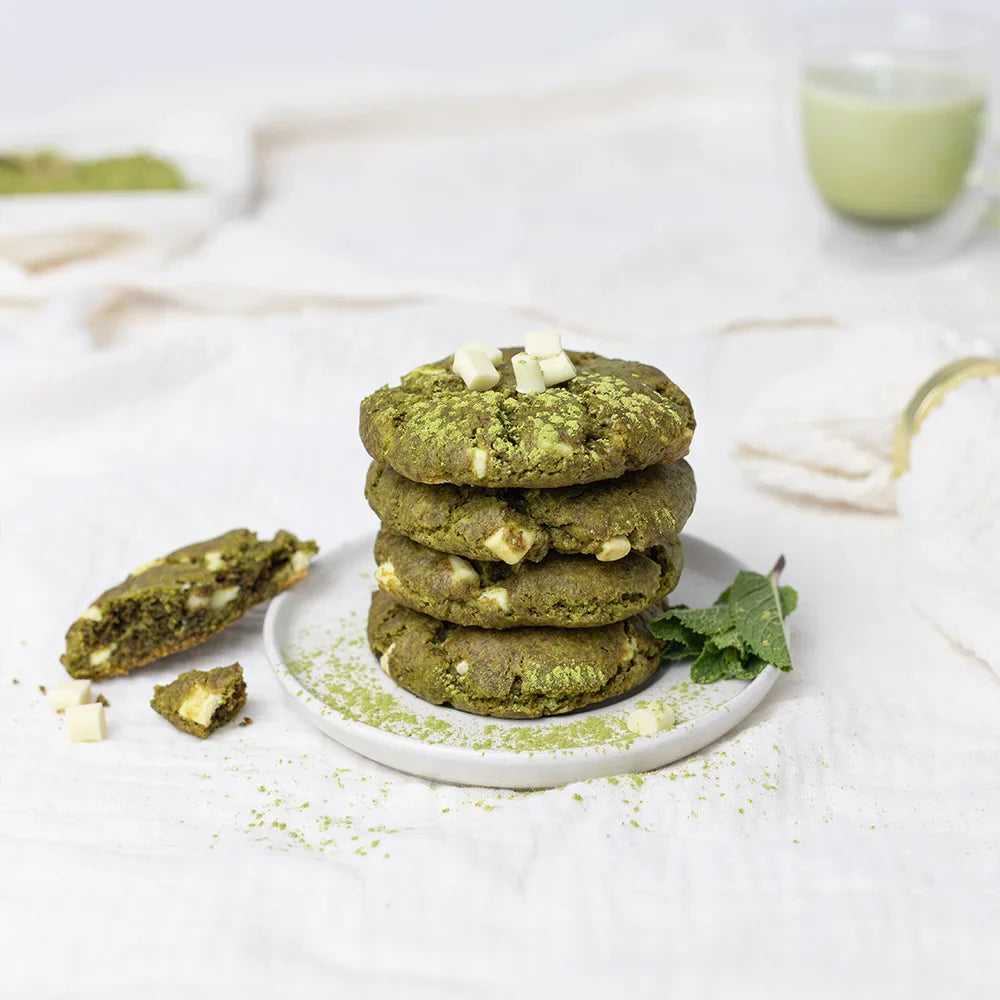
(337,672)
(50,173)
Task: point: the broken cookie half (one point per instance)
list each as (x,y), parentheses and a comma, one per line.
(200,701)
(180,600)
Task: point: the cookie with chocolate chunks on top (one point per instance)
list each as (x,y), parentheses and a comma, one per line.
(613,417)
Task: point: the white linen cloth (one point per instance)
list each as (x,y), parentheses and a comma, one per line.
(826,432)
(844,839)
(854,814)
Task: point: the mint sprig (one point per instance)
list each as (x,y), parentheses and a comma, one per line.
(738,635)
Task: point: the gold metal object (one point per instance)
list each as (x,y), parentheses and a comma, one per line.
(930,395)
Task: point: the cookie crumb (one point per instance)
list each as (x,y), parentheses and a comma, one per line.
(104,701)
(41,687)
(247,721)
(200,701)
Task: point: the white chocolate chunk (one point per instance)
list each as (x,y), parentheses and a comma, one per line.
(384,659)
(478,458)
(99,656)
(558,447)
(642,722)
(92,614)
(665,714)
(557,369)
(300,560)
(497,596)
(222,597)
(385,575)
(199,706)
(499,545)
(527,373)
(543,343)
(651,719)
(214,561)
(476,369)
(68,693)
(85,723)
(548,440)
(462,668)
(196,602)
(493,354)
(462,571)
(614,548)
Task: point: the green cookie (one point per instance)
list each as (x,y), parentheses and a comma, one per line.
(636,511)
(613,417)
(182,599)
(516,674)
(562,591)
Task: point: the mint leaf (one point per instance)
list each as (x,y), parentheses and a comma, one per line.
(738,635)
(756,605)
(680,642)
(789,600)
(730,637)
(749,668)
(704,621)
(713,664)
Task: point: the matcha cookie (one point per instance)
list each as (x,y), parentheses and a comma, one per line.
(180,600)
(613,417)
(636,511)
(516,674)
(200,701)
(561,590)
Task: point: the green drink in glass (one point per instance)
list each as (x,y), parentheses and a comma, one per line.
(893,114)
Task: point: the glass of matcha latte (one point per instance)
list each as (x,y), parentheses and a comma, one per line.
(894,114)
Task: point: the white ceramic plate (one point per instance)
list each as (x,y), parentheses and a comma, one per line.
(314,636)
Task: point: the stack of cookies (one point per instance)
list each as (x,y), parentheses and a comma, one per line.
(531,503)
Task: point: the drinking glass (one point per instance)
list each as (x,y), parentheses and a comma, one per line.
(893,106)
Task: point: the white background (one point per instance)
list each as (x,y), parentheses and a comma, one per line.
(52,50)
(55,50)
